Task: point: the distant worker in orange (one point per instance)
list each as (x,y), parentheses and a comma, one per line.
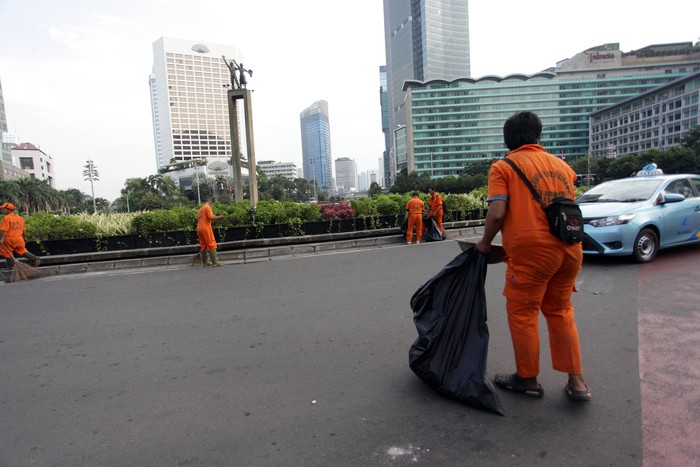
(415,208)
(436,210)
(12,236)
(205,234)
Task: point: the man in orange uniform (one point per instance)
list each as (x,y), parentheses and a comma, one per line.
(205,234)
(435,209)
(12,236)
(414,207)
(541,269)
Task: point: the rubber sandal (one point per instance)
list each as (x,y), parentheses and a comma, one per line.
(576,395)
(512,382)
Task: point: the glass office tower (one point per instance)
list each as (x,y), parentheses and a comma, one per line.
(389,168)
(424,40)
(316,146)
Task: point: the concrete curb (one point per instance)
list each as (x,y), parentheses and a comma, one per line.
(239,252)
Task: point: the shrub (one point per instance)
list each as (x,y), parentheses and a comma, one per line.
(186,217)
(109,223)
(388,205)
(310,212)
(270,212)
(156,221)
(42,226)
(341,210)
(236,214)
(364,207)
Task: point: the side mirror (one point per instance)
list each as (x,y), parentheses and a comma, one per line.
(671,198)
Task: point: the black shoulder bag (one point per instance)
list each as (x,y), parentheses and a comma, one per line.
(563,214)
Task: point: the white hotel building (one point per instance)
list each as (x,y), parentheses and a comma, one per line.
(188,100)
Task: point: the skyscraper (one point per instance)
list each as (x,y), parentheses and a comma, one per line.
(316,145)
(346,174)
(425,40)
(5,156)
(388,170)
(188,100)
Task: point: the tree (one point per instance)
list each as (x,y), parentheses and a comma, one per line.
(71,199)
(91,173)
(692,140)
(374,189)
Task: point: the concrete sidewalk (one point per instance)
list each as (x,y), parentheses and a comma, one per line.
(237,252)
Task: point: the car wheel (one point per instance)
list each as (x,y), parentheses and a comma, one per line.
(646,245)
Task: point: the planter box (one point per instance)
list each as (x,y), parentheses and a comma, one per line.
(69,246)
(341,225)
(388,221)
(272,231)
(316,228)
(233,234)
(122,242)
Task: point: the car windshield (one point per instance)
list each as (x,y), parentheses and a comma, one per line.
(621,191)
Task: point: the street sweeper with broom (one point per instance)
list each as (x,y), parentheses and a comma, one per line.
(13,240)
(207,242)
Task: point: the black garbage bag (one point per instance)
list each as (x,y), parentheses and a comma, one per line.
(432,234)
(451,350)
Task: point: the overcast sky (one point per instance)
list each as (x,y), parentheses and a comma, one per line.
(74,73)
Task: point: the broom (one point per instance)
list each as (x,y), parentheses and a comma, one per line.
(21,271)
(197,260)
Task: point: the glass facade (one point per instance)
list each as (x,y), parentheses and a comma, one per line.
(388,168)
(424,40)
(657,119)
(453,124)
(316,146)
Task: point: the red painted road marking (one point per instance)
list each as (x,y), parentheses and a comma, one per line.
(669,358)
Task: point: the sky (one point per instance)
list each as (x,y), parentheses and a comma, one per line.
(74,73)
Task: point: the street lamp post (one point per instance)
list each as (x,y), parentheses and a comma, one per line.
(196,173)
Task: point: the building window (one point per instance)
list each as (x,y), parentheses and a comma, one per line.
(26,163)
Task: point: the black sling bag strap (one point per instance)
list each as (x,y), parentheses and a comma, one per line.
(563,214)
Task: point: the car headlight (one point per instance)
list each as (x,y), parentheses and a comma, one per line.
(612,220)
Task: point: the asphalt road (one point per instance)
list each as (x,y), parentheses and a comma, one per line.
(303,362)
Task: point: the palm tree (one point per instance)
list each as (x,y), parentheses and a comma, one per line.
(90,173)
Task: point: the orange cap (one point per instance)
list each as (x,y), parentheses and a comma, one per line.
(9,206)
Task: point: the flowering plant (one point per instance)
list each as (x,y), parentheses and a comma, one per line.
(341,210)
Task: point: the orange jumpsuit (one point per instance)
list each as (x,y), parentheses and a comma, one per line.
(13,227)
(541,269)
(205,234)
(415,207)
(434,203)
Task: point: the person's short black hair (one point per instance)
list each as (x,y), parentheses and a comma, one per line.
(415,193)
(522,128)
(431,188)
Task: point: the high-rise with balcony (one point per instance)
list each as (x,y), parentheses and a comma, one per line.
(316,146)
(425,40)
(188,100)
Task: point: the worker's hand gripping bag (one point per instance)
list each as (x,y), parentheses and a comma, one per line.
(451,350)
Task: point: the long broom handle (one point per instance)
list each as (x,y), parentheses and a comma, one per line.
(6,249)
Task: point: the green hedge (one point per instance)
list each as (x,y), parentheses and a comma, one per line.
(43,226)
